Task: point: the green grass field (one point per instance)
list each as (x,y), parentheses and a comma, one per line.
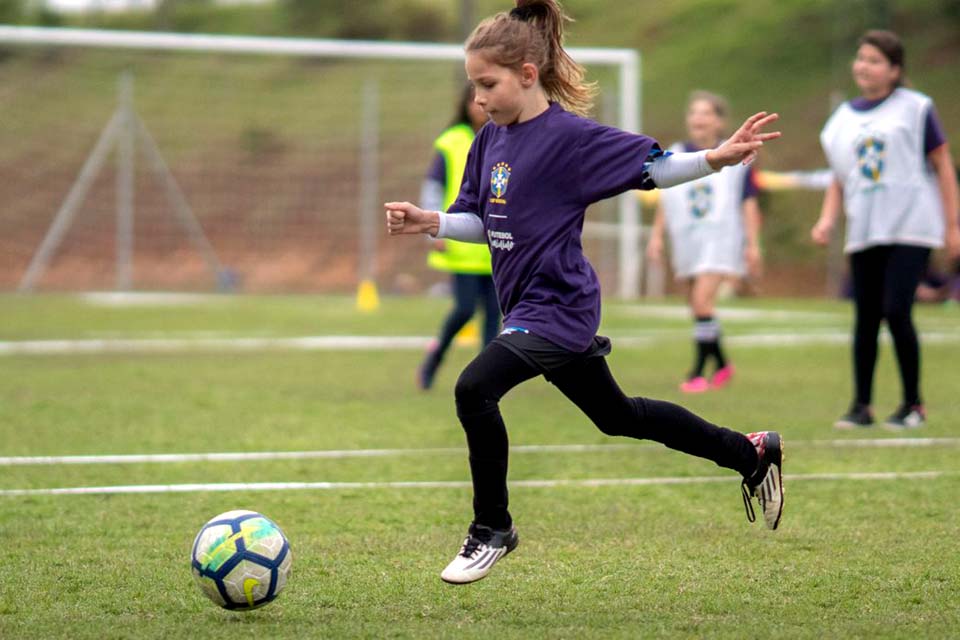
(868,556)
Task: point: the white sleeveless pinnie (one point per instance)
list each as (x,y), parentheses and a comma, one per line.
(705,221)
(890,194)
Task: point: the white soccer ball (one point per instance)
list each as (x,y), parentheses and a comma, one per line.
(241,560)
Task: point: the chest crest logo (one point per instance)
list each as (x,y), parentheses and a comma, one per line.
(499,180)
(871,151)
(701,200)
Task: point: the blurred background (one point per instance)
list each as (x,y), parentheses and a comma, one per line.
(265,173)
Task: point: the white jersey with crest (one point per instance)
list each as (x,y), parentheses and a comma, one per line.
(705,220)
(890,193)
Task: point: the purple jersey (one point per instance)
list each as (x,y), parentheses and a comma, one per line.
(531,183)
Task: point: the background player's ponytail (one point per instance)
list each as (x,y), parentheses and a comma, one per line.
(533,32)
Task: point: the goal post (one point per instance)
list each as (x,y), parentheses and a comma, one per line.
(266,140)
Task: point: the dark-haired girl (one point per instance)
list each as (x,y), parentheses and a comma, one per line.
(894,178)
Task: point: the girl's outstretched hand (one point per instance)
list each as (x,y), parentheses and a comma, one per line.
(742,146)
(403,217)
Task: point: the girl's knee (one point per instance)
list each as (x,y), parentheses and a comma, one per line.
(898,316)
(465,389)
(620,419)
(471,395)
(461,315)
(609,427)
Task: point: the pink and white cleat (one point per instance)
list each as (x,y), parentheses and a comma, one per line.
(698,384)
(722,377)
(766,483)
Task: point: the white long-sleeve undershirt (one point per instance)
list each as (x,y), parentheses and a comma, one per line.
(672,169)
(465,227)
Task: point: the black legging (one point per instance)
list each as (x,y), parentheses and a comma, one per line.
(589,384)
(885,280)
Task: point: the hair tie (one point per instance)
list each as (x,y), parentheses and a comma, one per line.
(522,13)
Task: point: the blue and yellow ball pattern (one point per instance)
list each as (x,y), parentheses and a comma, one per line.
(241,560)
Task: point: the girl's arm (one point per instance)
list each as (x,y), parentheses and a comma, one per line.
(942,165)
(751,227)
(829,212)
(405,218)
(669,170)
(655,244)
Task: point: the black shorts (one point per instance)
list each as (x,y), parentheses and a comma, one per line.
(545,356)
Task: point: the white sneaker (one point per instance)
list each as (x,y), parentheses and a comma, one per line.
(766,483)
(481,549)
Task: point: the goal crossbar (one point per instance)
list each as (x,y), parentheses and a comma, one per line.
(271,46)
(627,62)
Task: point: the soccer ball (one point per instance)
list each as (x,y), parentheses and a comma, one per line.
(241,560)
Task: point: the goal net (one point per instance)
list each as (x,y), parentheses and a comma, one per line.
(157,161)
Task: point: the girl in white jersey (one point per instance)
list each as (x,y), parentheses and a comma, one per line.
(714,226)
(531,173)
(894,178)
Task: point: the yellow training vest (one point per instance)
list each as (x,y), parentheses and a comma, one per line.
(459,257)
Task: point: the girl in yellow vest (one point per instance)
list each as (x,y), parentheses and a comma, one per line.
(468,263)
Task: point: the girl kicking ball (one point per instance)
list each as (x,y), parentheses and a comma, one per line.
(532,171)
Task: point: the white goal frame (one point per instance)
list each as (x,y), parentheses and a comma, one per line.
(627,61)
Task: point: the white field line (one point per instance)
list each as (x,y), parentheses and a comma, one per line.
(149,298)
(547,484)
(366,343)
(828,338)
(248,456)
(682,312)
(173,345)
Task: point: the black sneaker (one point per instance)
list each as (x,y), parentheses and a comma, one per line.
(481,549)
(859,416)
(908,416)
(766,483)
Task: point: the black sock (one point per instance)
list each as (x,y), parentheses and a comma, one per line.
(718,354)
(706,331)
(703,351)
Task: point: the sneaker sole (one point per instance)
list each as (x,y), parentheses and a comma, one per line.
(779,465)
(893,426)
(844,425)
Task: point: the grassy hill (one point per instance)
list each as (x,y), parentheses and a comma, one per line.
(787,55)
(784,55)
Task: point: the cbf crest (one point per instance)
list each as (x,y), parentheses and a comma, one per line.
(701,199)
(871,150)
(499,180)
